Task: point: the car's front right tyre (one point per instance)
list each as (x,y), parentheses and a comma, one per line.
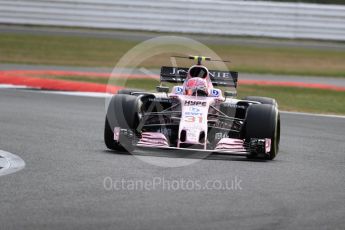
(122,113)
(109,138)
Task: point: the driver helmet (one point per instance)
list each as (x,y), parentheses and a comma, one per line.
(196,87)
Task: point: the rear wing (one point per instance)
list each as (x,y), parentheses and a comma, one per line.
(218,78)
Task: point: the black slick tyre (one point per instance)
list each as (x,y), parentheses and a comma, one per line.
(263,121)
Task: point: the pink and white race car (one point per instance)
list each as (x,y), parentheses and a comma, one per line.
(194,117)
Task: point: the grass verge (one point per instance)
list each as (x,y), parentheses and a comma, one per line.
(100,52)
(300,99)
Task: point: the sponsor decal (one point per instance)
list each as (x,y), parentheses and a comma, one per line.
(215,93)
(216,74)
(219,136)
(193,111)
(234,106)
(179,90)
(223,124)
(195,103)
(193,114)
(160,99)
(183,72)
(178,71)
(178,79)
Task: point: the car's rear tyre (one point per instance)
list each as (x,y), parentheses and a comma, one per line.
(122,112)
(262,100)
(263,121)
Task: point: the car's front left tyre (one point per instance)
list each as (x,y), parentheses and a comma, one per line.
(263,121)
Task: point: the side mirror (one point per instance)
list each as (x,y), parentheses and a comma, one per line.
(230,93)
(162,89)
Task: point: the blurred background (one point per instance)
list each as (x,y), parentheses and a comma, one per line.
(290,50)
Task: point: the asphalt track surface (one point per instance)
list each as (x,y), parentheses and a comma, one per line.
(60,138)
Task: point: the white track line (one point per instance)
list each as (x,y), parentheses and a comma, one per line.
(79,94)
(7,86)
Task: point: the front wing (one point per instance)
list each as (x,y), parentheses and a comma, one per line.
(226,146)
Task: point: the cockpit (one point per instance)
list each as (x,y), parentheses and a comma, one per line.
(198,71)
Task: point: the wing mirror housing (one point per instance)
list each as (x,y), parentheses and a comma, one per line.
(162,89)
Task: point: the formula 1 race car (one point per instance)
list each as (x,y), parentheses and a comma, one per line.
(194,116)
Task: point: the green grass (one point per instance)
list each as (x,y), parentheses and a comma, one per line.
(100,52)
(300,99)
(289,98)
